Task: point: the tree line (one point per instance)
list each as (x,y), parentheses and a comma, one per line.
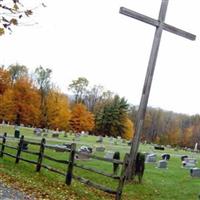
(33,100)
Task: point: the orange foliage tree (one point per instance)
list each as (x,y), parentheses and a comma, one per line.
(26,101)
(58,112)
(7,107)
(5,80)
(81,119)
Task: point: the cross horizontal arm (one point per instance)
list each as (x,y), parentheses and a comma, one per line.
(151,21)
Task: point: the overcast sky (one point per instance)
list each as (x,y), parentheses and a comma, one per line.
(89,38)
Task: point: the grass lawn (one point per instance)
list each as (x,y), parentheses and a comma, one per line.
(173,183)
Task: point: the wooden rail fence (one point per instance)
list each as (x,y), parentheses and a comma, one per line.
(69,175)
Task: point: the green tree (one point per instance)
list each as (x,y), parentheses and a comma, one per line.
(111,120)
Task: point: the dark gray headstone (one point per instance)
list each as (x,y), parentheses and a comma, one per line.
(195,172)
(100,149)
(162,164)
(183,157)
(165,156)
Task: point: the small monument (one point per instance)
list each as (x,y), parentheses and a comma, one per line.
(195,147)
(100,139)
(151,158)
(162,164)
(195,172)
(165,156)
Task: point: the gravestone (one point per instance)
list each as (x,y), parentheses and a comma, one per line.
(151,158)
(111,140)
(37,132)
(162,164)
(165,156)
(196,147)
(189,163)
(77,137)
(183,157)
(123,141)
(17,133)
(86,150)
(158,147)
(100,149)
(195,172)
(55,134)
(100,139)
(65,134)
(109,155)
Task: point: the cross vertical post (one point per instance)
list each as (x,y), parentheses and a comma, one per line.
(160,26)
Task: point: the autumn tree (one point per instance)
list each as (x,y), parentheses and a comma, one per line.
(7,106)
(81,119)
(129,129)
(58,112)
(79,88)
(26,101)
(5,80)
(43,80)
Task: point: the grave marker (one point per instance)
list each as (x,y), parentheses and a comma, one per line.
(195,172)
(151,158)
(162,164)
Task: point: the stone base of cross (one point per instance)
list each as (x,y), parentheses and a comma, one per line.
(160,26)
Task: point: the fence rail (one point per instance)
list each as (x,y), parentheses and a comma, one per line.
(69,175)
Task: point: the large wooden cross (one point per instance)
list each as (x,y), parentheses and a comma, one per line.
(160,26)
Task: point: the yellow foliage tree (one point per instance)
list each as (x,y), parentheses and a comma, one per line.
(130,128)
(58,112)
(81,119)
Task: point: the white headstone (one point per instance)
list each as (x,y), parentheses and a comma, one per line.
(195,147)
(151,158)
(109,154)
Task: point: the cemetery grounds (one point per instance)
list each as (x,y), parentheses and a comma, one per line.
(173,183)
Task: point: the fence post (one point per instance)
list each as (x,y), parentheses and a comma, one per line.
(122,177)
(68,178)
(19,149)
(40,156)
(3,144)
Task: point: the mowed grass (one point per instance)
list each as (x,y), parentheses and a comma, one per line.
(174,182)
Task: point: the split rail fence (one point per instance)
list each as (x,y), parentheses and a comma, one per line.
(69,175)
